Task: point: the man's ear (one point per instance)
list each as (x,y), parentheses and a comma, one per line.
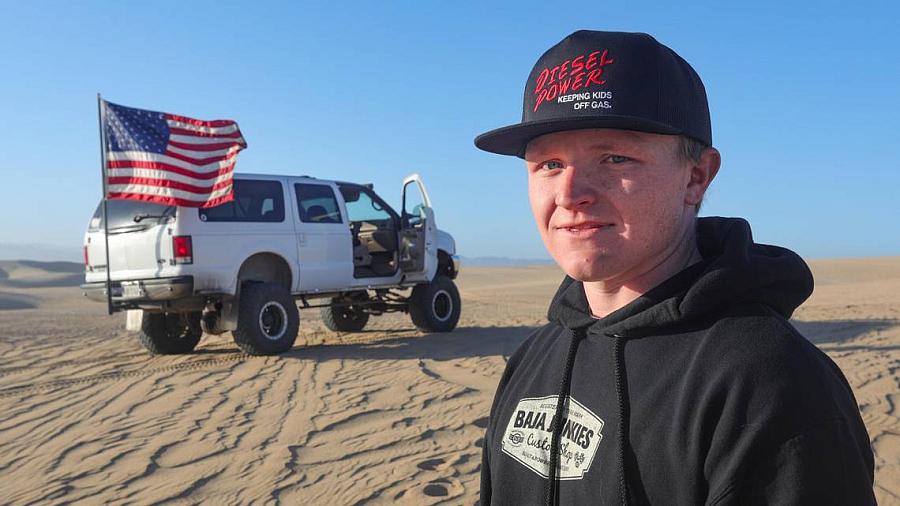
(702,172)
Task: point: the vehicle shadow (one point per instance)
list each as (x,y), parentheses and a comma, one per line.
(463,342)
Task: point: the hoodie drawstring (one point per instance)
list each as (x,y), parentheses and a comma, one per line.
(557,424)
(577,335)
(624,413)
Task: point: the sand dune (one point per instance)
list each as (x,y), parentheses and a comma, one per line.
(383,416)
(17,301)
(31,274)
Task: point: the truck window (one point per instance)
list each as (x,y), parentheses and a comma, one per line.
(413,212)
(123,212)
(254,201)
(316,204)
(362,207)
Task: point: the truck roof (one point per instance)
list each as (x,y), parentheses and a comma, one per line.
(244,175)
(249,175)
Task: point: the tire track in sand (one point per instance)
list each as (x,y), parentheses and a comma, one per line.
(117,375)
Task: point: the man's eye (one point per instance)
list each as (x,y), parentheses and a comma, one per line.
(551,165)
(617,159)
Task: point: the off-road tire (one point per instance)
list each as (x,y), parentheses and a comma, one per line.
(435,306)
(268,319)
(344,318)
(210,322)
(170,333)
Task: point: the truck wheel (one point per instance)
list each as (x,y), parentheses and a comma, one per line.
(268,319)
(211,323)
(435,306)
(170,333)
(344,318)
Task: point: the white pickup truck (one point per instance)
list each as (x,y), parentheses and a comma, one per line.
(245,265)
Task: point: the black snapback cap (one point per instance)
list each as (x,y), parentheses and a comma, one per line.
(595,79)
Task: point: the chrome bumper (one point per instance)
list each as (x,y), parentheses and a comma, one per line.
(141,290)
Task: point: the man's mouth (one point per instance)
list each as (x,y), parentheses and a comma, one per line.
(584,226)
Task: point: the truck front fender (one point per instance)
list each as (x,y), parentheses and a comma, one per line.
(445,242)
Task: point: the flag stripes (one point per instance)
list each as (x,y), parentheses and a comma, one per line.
(169,159)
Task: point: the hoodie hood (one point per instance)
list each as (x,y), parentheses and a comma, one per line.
(734,270)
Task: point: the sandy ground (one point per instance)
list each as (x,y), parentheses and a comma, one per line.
(384,416)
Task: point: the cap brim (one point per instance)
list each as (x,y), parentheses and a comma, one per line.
(512,140)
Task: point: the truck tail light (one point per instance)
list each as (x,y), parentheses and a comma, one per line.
(87,263)
(184,251)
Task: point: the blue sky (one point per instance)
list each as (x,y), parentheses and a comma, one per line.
(804,102)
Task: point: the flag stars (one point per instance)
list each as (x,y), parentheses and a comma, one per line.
(135,130)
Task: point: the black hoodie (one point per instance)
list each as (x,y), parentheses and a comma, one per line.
(698,392)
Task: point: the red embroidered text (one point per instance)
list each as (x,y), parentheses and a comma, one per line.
(572,74)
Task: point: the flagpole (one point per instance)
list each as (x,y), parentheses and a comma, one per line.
(101,116)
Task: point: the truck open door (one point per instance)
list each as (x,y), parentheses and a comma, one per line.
(418,241)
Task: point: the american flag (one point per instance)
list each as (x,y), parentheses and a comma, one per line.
(169,159)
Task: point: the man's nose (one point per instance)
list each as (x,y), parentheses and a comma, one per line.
(574,188)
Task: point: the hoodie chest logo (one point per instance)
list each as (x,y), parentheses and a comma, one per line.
(529,431)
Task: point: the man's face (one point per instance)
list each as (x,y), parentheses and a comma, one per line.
(609,204)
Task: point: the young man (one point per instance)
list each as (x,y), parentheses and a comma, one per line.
(669,373)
